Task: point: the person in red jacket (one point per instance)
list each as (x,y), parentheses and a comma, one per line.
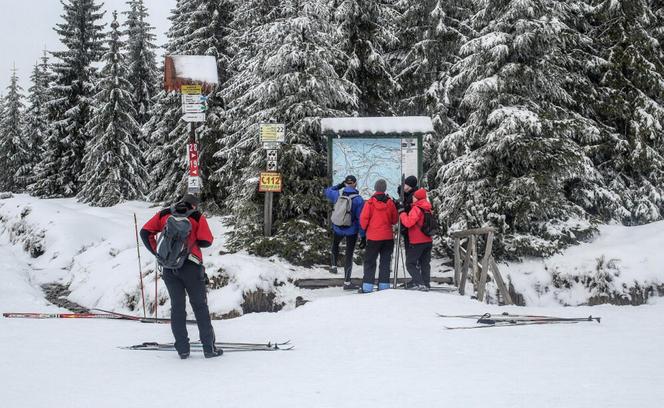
(377,218)
(190,279)
(418,252)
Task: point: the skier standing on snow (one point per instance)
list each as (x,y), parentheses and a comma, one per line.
(418,250)
(184,231)
(346,224)
(378,217)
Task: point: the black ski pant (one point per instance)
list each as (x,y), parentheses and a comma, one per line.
(189,280)
(351,240)
(418,263)
(375,248)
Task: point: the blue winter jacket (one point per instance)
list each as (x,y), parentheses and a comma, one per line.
(332,194)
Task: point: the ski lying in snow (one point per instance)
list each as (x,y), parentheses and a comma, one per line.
(226,346)
(487,318)
(141,319)
(510,324)
(60,315)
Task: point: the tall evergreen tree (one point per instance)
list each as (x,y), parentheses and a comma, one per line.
(365,33)
(14,149)
(515,160)
(81,35)
(36,118)
(293,82)
(631,103)
(113,170)
(430,34)
(199,27)
(141,59)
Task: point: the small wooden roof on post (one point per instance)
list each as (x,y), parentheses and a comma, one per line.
(190,70)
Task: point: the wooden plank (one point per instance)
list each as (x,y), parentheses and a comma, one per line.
(473,243)
(457,261)
(481,288)
(464,272)
(469,232)
(501,283)
(338,282)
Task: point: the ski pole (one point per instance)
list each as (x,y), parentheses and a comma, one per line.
(156,291)
(140,271)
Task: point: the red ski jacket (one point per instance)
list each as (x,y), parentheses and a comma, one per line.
(200,235)
(378,216)
(414,221)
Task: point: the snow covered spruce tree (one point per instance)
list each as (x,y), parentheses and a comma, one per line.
(14,149)
(365,33)
(430,34)
(516,161)
(631,103)
(113,170)
(81,35)
(199,27)
(37,122)
(141,62)
(295,84)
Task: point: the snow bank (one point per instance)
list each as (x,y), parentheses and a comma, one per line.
(406,124)
(93,252)
(620,261)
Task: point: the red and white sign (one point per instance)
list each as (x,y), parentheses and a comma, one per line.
(193,160)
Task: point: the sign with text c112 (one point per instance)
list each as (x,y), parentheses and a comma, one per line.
(270,182)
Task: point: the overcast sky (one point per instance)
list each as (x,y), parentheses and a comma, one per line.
(27,29)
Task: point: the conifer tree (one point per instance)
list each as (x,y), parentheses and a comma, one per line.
(36,118)
(293,82)
(631,103)
(515,161)
(113,171)
(141,62)
(14,150)
(365,32)
(430,34)
(70,101)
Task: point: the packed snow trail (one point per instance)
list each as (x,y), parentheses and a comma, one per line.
(385,349)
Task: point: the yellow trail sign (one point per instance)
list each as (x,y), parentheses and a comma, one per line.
(191,89)
(270,182)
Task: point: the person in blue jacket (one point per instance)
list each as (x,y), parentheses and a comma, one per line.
(347,188)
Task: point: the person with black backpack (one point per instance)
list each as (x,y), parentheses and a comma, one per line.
(346,224)
(421,225)
(183,232)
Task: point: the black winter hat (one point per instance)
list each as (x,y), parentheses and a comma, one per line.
(411,181)
(350,179)
(191,199)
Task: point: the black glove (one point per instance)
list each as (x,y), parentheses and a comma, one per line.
(400,206)
(340,186)
(363,243)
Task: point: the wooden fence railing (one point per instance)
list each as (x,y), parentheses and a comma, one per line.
(467,258)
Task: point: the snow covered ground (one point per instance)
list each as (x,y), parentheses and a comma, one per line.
(386,349)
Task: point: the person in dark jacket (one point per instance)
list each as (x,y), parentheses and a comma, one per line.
(378,217)
(409,187)
(190,279)
(347,188)
(418,251)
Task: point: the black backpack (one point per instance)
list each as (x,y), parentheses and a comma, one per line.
(172,247)
(430,225)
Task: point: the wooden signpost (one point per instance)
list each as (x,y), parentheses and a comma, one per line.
(272,135)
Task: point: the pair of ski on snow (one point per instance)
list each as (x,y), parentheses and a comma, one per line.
(226,346)
(509,320)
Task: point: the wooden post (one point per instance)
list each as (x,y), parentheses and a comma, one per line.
(485,267)
(267,221)
(464,273)
(457,261)
(473,247)
(501,283)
